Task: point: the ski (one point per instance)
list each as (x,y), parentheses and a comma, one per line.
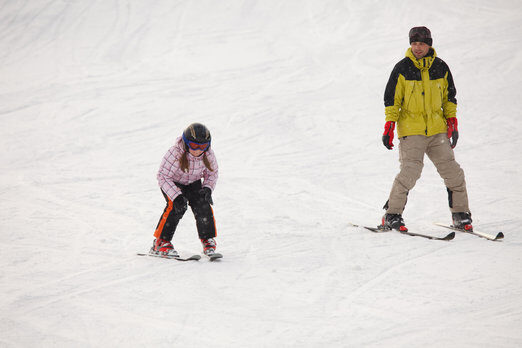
(179,258)
(488,236)
(214,256)
(380,229)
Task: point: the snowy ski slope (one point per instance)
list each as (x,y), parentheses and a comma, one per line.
(93,93)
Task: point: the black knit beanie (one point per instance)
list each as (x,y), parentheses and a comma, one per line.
(420,34)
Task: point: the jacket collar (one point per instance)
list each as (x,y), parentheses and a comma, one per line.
(425,62)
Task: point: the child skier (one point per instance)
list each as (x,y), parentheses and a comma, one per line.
(182,169)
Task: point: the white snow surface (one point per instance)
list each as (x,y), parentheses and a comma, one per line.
(93,93)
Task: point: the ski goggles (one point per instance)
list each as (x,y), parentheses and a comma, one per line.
(196,146)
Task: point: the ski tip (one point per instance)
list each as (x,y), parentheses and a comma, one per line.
(193,257)
(215,256)
(450,236)
(500,235)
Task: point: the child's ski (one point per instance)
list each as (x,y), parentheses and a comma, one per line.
(214,256)
(179,258)
(380,229)
(488,236)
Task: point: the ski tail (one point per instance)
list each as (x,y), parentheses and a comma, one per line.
(381,228)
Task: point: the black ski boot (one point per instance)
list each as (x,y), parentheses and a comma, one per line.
(393,222)
(462,221)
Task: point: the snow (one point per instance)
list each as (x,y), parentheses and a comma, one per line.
(93,93)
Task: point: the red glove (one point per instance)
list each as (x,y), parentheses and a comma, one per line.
(387,137)
(453,131)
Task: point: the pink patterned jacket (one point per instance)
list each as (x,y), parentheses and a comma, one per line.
(170,171)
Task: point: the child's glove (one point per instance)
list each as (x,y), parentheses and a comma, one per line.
(206,194)
(180,205)
(453,131)
(387,137)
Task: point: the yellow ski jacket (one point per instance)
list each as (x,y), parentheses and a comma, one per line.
(420,95)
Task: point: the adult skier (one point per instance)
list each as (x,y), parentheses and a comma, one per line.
(420,102)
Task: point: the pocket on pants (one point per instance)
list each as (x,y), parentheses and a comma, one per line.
(412,149)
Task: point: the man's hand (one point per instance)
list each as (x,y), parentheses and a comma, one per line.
(453,131)
(387,137)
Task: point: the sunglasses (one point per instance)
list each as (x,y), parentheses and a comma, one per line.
(196,146)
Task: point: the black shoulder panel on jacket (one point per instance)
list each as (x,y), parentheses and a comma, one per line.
(438,69)
(405,68)
(389,92)
(409,70)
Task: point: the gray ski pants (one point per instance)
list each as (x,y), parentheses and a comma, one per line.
(411,156)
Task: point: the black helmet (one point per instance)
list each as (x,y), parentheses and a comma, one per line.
(196,133)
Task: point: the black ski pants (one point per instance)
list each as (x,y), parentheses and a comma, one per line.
(201,209)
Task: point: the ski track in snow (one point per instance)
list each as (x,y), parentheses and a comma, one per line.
(94,93)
